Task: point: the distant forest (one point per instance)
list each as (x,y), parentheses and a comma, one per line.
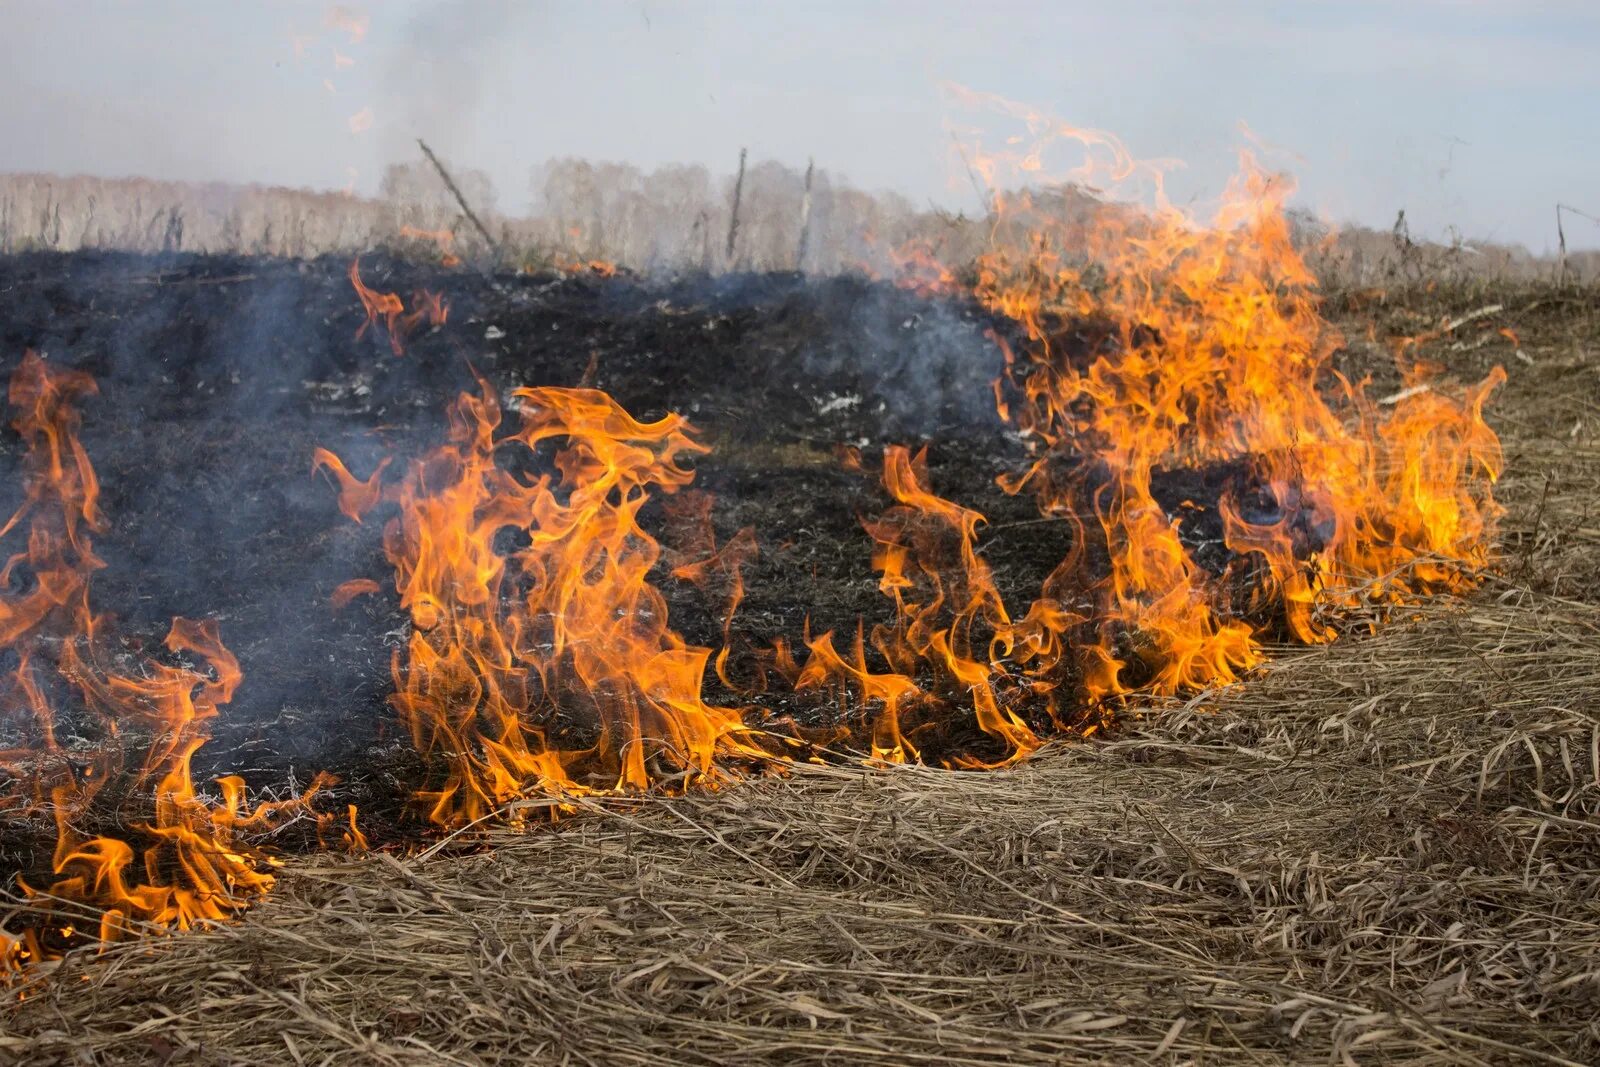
(673,219)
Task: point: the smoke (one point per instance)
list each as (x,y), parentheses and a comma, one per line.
(434,82)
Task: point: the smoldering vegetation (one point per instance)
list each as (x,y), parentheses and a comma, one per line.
(670,220)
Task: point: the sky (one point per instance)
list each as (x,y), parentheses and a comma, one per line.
(1480,116)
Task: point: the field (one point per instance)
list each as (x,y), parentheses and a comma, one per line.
(1379,850)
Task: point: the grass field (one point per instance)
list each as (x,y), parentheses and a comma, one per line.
(1379,850)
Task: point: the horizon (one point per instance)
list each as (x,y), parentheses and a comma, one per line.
(323,97)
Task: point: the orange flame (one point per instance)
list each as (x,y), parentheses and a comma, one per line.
(698,560)
(192,866)
(1212,352)
(356,497)
(942,591)
(916,266)
(397,322)
(444,239)
(548,668)
(600,268)
(348,591)
(1143,349)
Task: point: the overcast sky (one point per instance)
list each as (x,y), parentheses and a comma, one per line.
(1482,115)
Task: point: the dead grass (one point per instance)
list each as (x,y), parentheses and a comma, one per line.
(1383,850)
(672,219)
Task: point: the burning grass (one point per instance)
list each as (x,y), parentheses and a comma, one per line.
(1226,488)
(1382,850)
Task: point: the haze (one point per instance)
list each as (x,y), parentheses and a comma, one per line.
(1478,116)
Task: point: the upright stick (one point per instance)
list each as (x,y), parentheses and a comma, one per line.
(1561,260)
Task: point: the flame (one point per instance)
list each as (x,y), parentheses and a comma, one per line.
(1152,345)
(547,668)
(600,268)
(356,497)
(354,23)
(914,265)
(943,591)
(351,839)
(191,864)
(698,560)
(1144,352)
(398,323)
(444,239)
(361,121)
(348,591)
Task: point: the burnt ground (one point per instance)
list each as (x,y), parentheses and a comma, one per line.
(1381,850)
(218,377)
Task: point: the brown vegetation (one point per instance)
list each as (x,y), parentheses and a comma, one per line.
(674,218)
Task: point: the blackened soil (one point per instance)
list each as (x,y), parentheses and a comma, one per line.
(219,375)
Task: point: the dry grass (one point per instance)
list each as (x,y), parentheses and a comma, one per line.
(1383,850)
(672,219)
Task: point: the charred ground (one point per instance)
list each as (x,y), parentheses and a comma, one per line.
(218,377)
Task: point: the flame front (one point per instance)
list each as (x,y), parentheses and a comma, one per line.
(1147,357)
(1152,345)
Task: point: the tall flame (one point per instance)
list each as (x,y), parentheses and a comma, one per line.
(541,660)
(1154,345)
(925,553)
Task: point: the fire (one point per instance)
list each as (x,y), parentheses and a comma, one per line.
(600,268)
(544,664)
(1148,356)
(916,266)
(356,497)
(183,862)
(444,240)
(398,323)
(944,594)
(698,560)
(1145,354)
(354,23)
(348,591)
(1152,345)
